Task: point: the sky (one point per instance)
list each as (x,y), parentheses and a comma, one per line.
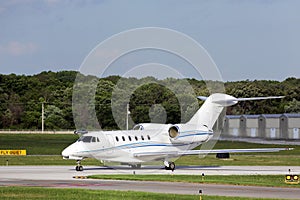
(247,39)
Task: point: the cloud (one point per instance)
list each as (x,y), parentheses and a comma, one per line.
(16,48)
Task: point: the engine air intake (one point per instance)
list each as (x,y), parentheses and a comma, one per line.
(173,131)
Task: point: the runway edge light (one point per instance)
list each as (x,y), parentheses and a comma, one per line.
(202,175)
(291,179)
(200,193)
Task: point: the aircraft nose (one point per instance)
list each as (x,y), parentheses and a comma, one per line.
(66,152)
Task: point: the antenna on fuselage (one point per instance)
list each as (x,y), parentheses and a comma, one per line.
(80,132)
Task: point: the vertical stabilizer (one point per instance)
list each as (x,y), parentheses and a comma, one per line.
(209,112)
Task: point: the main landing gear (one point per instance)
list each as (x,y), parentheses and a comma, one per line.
(135,166)
(79,166)
(169,165)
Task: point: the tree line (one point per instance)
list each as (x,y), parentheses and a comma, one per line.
(150,100)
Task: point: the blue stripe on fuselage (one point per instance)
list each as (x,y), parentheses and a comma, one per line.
(150,143)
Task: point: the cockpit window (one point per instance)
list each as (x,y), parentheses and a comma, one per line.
(138,127)
(85,139)
(93,139)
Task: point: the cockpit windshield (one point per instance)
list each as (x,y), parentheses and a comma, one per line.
(85,139)
(88,139)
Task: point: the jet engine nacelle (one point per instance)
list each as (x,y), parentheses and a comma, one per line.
(174,135)
(187,137)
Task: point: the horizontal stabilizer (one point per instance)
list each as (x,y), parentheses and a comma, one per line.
(259,98)
(227,100)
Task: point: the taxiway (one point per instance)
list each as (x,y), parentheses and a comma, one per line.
(62,177)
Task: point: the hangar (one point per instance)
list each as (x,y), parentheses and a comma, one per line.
(268,126)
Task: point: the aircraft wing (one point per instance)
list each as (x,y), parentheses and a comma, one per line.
(213,151)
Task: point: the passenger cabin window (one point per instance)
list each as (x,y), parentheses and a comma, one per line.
(136,138)
(148,137)
(117,138)
(142,137)
(129,138)
(123,138)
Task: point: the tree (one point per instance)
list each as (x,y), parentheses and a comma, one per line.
(54,118)
(149,99)
(292,107)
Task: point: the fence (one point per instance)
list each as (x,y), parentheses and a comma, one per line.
(36,131)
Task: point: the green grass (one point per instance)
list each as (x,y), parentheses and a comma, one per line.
(37,144)
(53,144)
(11,193)
(256,180)
(260,159)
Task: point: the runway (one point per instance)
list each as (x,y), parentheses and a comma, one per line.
(62,177)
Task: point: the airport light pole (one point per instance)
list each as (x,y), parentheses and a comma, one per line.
(43,110)
(127,116)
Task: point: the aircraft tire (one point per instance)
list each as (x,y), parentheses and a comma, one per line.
(172,166)
(79,168)
(136,166)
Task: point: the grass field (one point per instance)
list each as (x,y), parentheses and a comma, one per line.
(256,180)
(45,149)
(37,144)
(12,193)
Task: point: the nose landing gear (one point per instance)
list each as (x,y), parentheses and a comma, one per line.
(79,166)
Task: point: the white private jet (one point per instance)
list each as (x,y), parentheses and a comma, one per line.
(151,141)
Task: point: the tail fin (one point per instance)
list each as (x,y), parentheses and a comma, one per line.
(209,112)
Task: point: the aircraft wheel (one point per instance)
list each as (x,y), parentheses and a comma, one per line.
(172,166)
(79,168)
(136,166)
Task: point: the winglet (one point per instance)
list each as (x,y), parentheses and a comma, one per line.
(203,98)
